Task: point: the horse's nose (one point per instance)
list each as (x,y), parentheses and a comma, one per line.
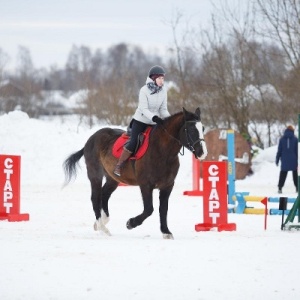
(204,152)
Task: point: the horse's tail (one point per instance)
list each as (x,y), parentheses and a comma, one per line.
(70,164)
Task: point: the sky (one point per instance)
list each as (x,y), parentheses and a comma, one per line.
(57,254)
(50,28)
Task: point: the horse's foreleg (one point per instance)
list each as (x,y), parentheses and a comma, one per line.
(164,195)
(108,188)
(148,208)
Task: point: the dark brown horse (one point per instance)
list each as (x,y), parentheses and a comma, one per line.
(156,169)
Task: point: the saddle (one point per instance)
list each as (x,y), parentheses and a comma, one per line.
(141,148)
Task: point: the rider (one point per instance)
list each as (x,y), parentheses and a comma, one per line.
(152,107)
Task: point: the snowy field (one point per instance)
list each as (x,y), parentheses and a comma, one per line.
(58,255)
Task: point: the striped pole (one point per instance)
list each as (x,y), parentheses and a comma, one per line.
(231,165)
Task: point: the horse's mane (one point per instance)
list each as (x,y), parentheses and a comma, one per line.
(180,117)
(174,116)
(173,123)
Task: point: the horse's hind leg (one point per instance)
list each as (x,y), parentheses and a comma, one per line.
(95,177)
(148,208)
(164,195)
(108,188)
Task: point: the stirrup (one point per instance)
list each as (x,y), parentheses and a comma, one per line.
(117,170)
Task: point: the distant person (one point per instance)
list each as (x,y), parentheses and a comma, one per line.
(288,154)
(151,110)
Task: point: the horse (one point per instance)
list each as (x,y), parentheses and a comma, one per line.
(157,169)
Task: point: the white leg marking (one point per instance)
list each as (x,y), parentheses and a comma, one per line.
(104,217)
(99,226)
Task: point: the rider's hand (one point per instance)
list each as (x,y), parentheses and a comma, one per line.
(157,120)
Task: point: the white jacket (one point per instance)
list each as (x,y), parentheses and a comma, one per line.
(151,105)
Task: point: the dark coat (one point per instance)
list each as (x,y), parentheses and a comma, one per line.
(288,151)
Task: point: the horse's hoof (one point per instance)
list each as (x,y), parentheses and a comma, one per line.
(128,225)
(168,236)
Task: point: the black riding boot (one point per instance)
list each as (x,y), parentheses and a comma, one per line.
(124,156)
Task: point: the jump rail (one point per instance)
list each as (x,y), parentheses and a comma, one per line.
(244,199)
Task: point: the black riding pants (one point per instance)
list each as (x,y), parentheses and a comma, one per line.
(282,178)
(136,128)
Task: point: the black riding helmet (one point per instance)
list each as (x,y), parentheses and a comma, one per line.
(156,70)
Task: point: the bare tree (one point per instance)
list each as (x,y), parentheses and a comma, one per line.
(227,71)
(283,28)
(182,64)
(4,58)
(78,67)
(233,61)
(27,78)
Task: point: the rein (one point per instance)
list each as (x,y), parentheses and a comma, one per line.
(174,138)
(171,136)
(190,145)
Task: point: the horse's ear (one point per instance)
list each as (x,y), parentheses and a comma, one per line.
(198,112)
(184,111)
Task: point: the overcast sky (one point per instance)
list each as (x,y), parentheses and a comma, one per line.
(50,28)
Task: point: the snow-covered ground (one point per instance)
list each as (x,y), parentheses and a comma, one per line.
(58,255)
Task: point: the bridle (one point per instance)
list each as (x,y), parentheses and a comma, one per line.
(190,142)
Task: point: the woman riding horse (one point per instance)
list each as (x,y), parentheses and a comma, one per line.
(152,106)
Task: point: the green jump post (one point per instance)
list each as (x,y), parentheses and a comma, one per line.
(298,166)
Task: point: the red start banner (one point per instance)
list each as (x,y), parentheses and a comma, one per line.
(10,166)
(215,192)
(215,202)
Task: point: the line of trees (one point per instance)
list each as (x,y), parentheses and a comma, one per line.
(241,75)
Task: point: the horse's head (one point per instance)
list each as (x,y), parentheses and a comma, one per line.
(191,134)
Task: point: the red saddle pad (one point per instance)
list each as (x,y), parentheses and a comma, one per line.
(119,144)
